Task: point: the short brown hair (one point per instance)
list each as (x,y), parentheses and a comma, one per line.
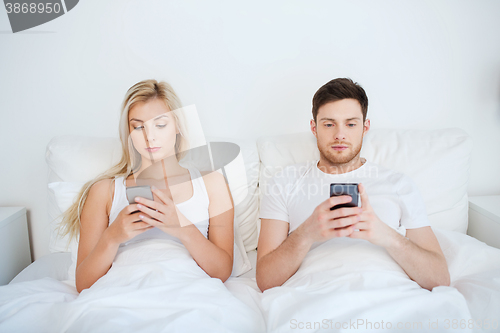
(339,89)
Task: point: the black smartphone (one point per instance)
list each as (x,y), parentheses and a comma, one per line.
(338,189)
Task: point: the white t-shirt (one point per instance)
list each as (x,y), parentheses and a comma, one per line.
(293,194)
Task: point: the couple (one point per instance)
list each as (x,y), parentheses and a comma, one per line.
(196,209)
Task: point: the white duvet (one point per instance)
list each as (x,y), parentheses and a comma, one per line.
(152,286)
(343,285)
(348,285)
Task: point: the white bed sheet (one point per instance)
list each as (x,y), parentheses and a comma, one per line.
(152,287)
(342,282)
(56,265)
(345,283)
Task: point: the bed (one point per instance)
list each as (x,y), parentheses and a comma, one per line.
(341,286)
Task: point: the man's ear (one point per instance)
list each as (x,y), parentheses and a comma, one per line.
(366,127)
(313,127)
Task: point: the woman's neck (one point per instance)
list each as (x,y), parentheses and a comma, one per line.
(168,167)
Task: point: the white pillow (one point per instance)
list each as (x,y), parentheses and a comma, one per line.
(61,197)
(243,178)
(73,158)
(437,160)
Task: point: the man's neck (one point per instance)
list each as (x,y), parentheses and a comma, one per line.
(338,168)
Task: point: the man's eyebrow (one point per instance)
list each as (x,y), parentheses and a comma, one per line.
(160,116)
(349,119)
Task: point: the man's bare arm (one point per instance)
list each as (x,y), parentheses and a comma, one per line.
(421,257)
(279,256)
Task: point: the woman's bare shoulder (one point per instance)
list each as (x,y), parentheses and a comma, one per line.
(215,183)
(100,192)
(102,186)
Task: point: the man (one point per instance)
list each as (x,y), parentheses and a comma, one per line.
(296,217)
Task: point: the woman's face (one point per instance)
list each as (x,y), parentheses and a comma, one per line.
(153,130)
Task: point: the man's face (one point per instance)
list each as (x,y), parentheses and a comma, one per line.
(339,130)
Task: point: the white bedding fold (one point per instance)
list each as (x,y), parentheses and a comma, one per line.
(351,285)
(342,285)
(152,286)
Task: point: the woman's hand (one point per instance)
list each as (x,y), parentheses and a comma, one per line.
(163,214)
(127,225)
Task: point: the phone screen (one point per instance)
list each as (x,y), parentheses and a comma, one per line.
(139,191)
(338,189)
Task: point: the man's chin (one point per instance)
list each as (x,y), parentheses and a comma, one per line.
(338,158)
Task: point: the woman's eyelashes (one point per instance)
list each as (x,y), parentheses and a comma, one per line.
(141,127)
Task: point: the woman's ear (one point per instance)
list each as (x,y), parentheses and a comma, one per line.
(177,144)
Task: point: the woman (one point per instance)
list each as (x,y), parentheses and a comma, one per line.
(193,209)
(134,268)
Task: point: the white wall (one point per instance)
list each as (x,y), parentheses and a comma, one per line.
(251,69)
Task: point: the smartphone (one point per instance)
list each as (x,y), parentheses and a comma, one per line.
(139,191)
(338,189)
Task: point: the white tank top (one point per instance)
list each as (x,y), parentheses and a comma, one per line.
(195,209)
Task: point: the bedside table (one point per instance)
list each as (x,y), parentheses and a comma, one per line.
(14,243)
(484,219)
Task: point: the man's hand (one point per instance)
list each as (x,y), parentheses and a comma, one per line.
(370,226)
(419,255)
(324,224)
(279,255)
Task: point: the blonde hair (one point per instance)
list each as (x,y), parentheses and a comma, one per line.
(131,159)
